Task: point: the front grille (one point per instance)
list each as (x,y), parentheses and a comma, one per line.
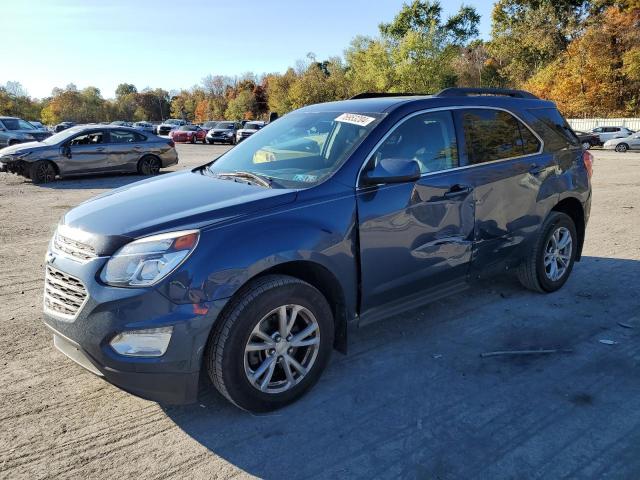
(79,251)
(64,295)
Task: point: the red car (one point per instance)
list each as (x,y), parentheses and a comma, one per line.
(189,134)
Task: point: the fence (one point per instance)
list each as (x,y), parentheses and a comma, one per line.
(586,124)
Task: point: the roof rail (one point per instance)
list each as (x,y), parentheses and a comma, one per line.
(465,92)
(381,95)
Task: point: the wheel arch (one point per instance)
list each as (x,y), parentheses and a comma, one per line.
(320,277)
(573,207)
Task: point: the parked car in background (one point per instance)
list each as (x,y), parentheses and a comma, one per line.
(171,124)
(607,133)
(248,129)
(588,140)
(121,123)
(223,132)
(63,126)
(206,126)
(632,142)
(144,126)
(251,268)
(89,149)
(38,125)
(188,133)
(15,130)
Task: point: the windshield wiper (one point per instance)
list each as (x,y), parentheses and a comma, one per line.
(253,177)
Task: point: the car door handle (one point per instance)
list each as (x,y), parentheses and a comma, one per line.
(100,149)
(458,191)
(535,169)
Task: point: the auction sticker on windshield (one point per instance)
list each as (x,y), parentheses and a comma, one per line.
(361,120)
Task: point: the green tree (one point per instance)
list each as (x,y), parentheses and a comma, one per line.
(242,106)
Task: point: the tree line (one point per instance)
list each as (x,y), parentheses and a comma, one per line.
(584,55)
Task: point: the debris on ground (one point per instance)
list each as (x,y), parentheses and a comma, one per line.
(525,352)
(606,341)
(625,325)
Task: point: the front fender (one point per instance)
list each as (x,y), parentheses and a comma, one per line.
(229,256)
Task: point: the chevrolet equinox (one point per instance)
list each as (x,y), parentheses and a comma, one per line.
(250,268)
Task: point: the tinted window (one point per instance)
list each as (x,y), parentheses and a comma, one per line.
(429,138)
(494,135)
(555,130)
(125,136)
(92,138)
(17,124)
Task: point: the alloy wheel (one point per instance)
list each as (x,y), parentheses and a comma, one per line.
(557,254)
(282,349)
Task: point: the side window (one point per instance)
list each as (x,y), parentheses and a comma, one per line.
(92,138)
(494,135)
(554,129)
(428,138)
(139,137)
(122,136)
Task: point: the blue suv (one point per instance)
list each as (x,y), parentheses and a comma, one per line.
(250,268)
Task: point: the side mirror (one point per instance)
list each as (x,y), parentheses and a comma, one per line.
(66,150)
(392,170)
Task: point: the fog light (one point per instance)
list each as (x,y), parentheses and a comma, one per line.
(152,342)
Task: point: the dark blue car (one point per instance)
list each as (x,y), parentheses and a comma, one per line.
(250,268)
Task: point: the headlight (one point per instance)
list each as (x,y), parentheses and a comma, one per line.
(229,134)
(146,261)
(28,136)
(152,342)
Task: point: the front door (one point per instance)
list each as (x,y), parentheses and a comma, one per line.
(415,238)
(86,153)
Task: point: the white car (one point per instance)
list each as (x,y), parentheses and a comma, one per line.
(248,129)
(171,124)
(607,133)
(632,142)
(144,126)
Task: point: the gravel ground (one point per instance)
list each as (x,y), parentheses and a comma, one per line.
(413,398)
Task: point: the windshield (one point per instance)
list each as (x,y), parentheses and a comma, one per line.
(62,136)
(209,124)
(225,125)
(298,151)
(188,128)
(171,121)
(252,126)
(17,124)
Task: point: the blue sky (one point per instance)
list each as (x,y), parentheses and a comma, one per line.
(174,44)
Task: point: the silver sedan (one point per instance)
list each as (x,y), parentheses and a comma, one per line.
(89,149)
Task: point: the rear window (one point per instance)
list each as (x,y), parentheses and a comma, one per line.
(554,129)
(494,135)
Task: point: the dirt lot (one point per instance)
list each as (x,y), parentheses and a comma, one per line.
(413,398)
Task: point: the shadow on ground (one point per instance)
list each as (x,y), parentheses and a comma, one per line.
(414,399)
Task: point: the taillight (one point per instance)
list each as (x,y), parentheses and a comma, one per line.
(587,158)
(173,144)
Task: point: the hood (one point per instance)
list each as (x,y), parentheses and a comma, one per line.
(20,148)
(172,202)
(247,130)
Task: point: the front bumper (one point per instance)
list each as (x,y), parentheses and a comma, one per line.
(171,378)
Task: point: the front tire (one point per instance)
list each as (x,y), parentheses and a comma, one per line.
(271,344)
(622,147)
(586,145)
(549,264)
(42,171)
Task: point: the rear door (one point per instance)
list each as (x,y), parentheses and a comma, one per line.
(126,147)
(86,153)
(634,141)
(506,166)
(415,238)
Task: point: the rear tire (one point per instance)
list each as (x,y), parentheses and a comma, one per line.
(255,361)
(193,139)
(622,147)
(549,264)
(149,165)
(43,171)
